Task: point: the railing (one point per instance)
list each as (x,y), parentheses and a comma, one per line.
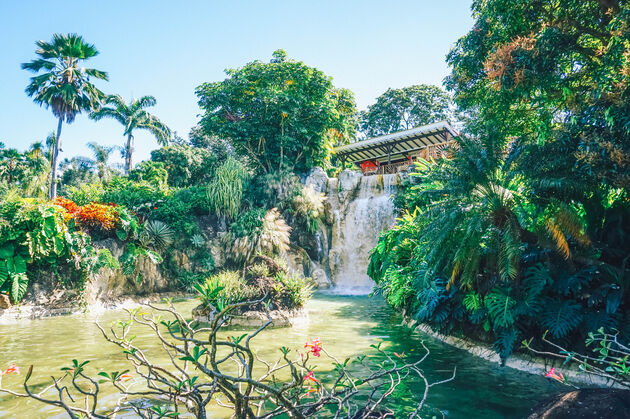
(431,152)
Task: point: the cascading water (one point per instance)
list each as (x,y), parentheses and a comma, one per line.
(358,229)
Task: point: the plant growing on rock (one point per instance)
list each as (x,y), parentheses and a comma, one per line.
(35,235)
(205,369)
(257,232)
(265,279)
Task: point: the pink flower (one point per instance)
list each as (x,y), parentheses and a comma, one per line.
(12,368)
(556,376)
(310,377)
(399,355)
(315,346)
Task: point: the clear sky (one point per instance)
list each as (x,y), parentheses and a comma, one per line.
(167,48)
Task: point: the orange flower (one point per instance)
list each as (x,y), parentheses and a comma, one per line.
(12,369)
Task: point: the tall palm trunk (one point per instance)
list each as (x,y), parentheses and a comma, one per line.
(53,162)
(128,151)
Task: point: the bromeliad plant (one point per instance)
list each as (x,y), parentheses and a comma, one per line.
(205,369)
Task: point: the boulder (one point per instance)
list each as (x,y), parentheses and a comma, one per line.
(318,179)
(253,318)
(5,302)
(586,403)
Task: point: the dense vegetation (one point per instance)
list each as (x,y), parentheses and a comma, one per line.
(526,228)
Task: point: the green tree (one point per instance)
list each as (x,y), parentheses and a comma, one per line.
(186,165)
(101,155)
(406,108)
(133,116)
(546,73)
(282,114)
(64,86)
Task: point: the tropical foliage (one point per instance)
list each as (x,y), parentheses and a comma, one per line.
(133,116)
(64,86)
(406,108)
(35,238)
(525,229)
(283,115)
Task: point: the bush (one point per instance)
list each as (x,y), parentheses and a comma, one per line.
(225,288)
(257,232)
(225,192)
(41,236)
(264,278)
(485,256)
(84,193)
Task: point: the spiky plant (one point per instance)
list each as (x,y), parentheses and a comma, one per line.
(133,116)
(159,234)
(257,232)
(225,192)
(65,85)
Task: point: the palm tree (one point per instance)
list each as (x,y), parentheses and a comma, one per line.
(101,155)
(64,86)
(133,116)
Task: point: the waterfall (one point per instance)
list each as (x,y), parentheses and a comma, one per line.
(357,231)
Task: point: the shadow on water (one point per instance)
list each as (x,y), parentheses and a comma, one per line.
(481,389)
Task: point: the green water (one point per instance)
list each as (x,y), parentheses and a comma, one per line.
(346,325)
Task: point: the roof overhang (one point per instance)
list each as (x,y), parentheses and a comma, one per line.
(398,145)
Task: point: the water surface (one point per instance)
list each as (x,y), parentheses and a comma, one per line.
(346,325)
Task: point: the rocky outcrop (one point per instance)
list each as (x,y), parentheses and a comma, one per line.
(588,403)
(252,318)
(111,284)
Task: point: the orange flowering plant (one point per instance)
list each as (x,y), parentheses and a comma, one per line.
(93,216)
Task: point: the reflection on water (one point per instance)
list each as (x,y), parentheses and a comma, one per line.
(346,325)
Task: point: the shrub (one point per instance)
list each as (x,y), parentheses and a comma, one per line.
(293,290)
(93,217)
(257,232)
(225,288)
(151,172)
(36,235)
(225,192)
(84,193)
(130,194)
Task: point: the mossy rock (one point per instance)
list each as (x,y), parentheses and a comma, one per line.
(255,319)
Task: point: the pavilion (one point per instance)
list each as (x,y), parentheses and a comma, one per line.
(395,152)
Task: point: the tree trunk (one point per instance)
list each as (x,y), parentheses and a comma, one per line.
(53,162)
(128,151)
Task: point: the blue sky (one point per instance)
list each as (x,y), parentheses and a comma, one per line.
(167,48)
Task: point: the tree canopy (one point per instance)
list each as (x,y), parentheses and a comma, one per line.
(282,114)
(64,85)
(406,108)
(133,116)
(550,72)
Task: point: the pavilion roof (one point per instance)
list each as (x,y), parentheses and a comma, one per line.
(400,144)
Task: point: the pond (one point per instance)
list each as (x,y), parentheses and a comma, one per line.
(346,325)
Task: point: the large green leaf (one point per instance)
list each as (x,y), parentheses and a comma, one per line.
(50,226)
(19,285)
(4,272)
(19,264)
(7,250)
